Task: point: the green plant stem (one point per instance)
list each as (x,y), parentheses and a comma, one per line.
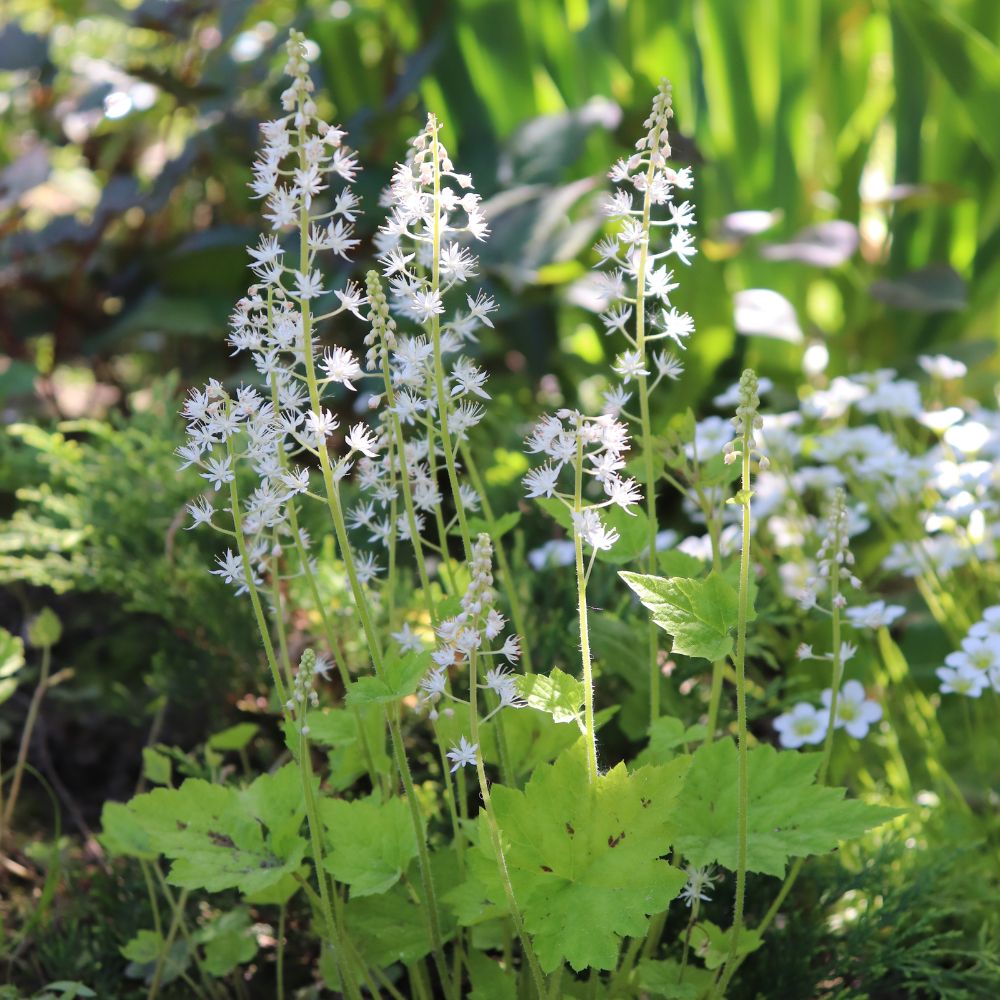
(265,636)
(154,905)
(719,666)
(314,823)
(838,672)
(442,398)
(279,965)
(495,837)
(743,771)
(692,920)
(581,601)
(411,511)
(258,611)
(161,959)
(364,612)
(22,751)
(506,577)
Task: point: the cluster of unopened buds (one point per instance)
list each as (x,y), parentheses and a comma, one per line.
(469,636)
(746,422)
(303,695)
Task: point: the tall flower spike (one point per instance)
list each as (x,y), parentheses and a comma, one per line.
(426,258)
(634,285)
(302,173)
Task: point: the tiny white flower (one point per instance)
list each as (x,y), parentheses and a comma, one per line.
(629,366)
(855,712)
(409,641)
(360,438)
(541,482)
(219,471)
(464,753)
(878,614)
(309,285)
(201,511)
(961,680)
(803,724)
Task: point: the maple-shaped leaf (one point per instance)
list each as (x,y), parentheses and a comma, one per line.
(219,837)
(371,842)
(699,613)
(586,861)
(790,815)
(401,675)
(555,693)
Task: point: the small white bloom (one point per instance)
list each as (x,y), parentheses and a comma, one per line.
(803,724)
(878,614)
(201,511)
(341,365)
(855,712)
(409,641)
(362,439)
(541,482)
(464,753)
(220,470)
(971,683)
(629,366)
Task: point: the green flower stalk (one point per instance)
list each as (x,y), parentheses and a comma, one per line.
(636,281)
(742,449)
(592,447)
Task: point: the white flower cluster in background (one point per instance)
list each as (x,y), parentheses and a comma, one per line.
(975,667)
(807,724)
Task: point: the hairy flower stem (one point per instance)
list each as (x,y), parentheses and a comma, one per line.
(400,441)
(258,610)
(581,600)
(316,841)
(364,612)
(333,932)
(506,577)
(644,418)
(442,397)
(743,771)
(793,873)
(719,666)
(484,790)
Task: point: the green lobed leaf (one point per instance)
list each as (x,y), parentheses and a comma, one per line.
(229,942)
(712,944)
(402,675)
(371,843)
(666,736)
(155,766)
(586,862)
(557,694)
(235,737)
(663,979)
(790,815)
(699,614)
(217,837)
(500,527)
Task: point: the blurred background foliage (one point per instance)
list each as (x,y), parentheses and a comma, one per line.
(128,131)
